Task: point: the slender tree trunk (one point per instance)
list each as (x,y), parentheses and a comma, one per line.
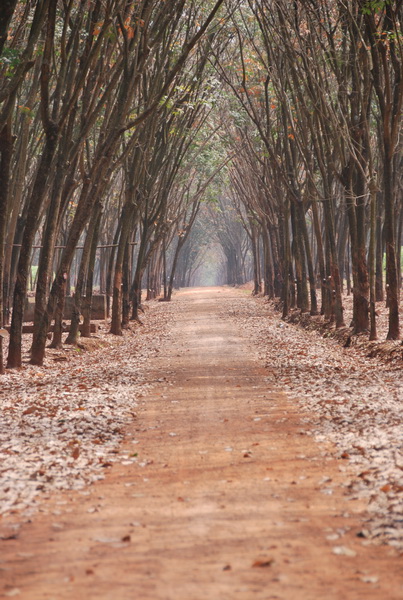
(86,202)
(399,241)
(58,328)
(334,278)
(48,242)
(110,271)
(371,260)
(72,337)
(164,268)
(6,13)
(348,269)
(300,264)
(342,245)
(320,253)
(136,295)
(20,290)
(379,291)
(149,295)
(126,219)
(126,288)
(256,283)
(391,266)
(14,232)
(6,150)
(362,301)
(138,276)
(309,261)
(268,265)
(173,268)
(286,261)
(87,300)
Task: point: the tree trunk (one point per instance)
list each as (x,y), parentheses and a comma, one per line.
(173,269)
(14,225)
(126,219)
(72,338)
(135,291)
(58,329)
(257,287)
(6,13)
(391,266)
(48,242)
(277,260)
(299,257)
(371,260)
(334,280)
(379,290)
(83,212)
(268,265)
(286,261)
(320,254)
(110,271)
(87,301)
(126,288)
(309,261)
(6,150)
(20,290)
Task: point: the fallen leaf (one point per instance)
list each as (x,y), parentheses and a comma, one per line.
(8,536)
(344,551)
(370,579)
(106,540)
(30,410)
(262,563)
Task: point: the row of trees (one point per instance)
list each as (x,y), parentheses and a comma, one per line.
(312,104)
(102,110)
(119,119)
(315,94)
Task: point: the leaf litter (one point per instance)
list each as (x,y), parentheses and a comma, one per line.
(353,402)
(61,424)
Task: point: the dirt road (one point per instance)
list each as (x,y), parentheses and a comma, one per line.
(221,496)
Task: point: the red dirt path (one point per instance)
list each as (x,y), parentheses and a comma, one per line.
(225,502)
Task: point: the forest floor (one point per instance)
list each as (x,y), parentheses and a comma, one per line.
(215,453)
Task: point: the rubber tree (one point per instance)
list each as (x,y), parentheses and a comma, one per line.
(383,26)
(37,195)
(18,40)
(135,56)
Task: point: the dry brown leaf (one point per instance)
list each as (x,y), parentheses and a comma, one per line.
(263,562)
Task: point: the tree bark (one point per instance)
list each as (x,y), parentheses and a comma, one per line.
(20,290)
(72,338)
(391,266)
(87,301)
(6,150)
(125,229)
